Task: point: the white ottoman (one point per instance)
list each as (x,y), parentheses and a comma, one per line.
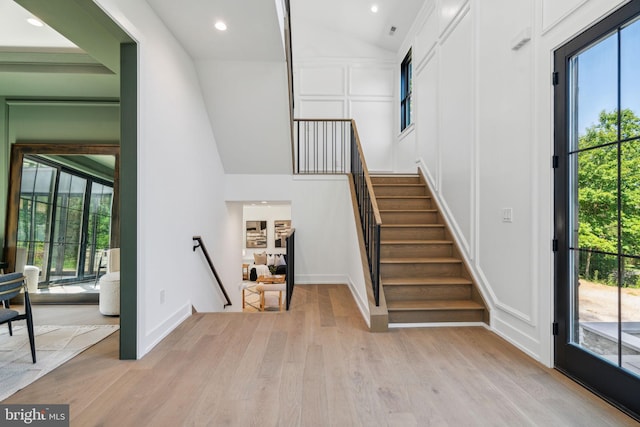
(110,294)
(31,272)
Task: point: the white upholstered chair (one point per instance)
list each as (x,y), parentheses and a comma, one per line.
(110,285)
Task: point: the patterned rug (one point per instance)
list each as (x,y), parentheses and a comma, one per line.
(54,346)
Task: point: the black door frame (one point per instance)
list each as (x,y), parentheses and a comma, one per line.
(619,387)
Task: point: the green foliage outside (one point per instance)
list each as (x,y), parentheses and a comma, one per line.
(598,199)
(34,222)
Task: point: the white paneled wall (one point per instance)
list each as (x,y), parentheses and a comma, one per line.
(351,89)
(483,134)
(553,11)
(456,127)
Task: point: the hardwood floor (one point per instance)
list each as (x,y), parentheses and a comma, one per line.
(317,365)
(68,314)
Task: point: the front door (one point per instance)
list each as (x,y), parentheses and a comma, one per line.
(597,207)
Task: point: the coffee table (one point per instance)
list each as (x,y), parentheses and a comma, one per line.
(281,278)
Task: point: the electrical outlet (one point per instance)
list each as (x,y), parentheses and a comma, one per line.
(507,215)
(162,296)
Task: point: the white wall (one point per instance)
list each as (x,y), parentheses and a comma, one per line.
(249,110)
(180,181)
(360,89)
(337,76)
(483,132)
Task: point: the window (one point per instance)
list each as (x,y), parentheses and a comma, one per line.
(64,220)
(405,92)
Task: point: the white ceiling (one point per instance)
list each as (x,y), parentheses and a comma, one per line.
(253,32)
(15,31)
(253,27)
(354,18)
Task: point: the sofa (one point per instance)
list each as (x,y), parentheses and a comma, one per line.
(262,263)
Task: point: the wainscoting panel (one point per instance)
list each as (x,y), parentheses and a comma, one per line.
(456,133)
(323,81)
(321,108)
(376,132)
(371,81)
(426,39)
(426,111)
(449,9)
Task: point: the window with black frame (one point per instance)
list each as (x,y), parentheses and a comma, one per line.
(405,91)
(64,220)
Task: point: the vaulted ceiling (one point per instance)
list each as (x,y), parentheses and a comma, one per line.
(39,61)
(76,55)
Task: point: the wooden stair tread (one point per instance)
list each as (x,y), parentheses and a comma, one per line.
(428,260)
(412,225)
(422,278)
(396,184)
(416,242)
(394,175)
(425,281)
(403,197)
(425,305)
(407,210)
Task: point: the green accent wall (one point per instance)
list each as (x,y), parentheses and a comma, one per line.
(66,121)
(4,172)
(128,201)
(82,122)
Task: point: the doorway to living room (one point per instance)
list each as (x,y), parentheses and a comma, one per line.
(264,255)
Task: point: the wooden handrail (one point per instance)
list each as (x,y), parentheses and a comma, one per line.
(370,218)
(367,177)
(200,244)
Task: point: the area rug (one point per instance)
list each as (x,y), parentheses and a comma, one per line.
(54,346)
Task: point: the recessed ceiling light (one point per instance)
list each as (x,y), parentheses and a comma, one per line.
(221,26)
(35,22)
(374,8)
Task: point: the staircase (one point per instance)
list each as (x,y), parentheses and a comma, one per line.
(423,278)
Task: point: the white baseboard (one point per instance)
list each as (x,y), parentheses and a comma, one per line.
(154,337)
(438,325)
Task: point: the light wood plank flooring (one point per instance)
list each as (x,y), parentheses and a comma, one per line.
(317,365)
(69,314)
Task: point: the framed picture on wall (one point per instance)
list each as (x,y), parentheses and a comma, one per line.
(281,229)
(256,234)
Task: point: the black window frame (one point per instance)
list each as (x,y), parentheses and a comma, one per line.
(406,84)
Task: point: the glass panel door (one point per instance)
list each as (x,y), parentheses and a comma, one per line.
(597,197)
(98,226)
(36,208)
(67,233)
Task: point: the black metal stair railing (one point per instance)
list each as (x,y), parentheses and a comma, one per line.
(368,209)
(332,146)
(200,244)
(322,146)
(291,251)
